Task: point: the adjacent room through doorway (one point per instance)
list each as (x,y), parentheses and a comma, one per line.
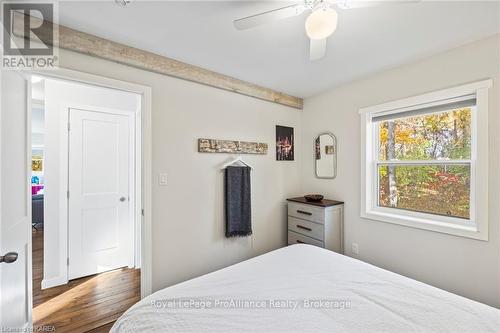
(85,201)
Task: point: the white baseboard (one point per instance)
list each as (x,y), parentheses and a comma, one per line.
(54,282)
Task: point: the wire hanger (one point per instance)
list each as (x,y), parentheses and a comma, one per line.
(238,159)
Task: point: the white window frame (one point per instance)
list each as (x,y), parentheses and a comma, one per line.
(477,226)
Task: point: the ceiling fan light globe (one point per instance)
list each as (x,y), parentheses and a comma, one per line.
(321,23)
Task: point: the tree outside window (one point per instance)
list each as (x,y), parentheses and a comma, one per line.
(424,163)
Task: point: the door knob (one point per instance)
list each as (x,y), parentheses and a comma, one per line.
(122,199)
(9,257)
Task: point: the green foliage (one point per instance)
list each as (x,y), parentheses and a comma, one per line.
(435,136)
(438,189)
(442,190)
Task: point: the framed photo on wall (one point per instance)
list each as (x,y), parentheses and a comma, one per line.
(284,143)
(37,164)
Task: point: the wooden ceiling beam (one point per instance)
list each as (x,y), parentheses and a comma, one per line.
(81,42)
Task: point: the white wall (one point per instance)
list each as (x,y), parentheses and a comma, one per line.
(59,95)
(37,114)
(188,224)
(464,266)
(37,125)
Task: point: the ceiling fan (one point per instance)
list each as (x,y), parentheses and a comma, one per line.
(320,24)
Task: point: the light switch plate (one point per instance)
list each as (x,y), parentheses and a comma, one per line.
(355,248)
(162,179)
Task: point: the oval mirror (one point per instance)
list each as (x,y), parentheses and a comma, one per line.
(325,155)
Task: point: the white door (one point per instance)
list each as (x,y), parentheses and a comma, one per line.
(15,227)
(100,225)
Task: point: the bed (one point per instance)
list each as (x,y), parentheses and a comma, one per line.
(302,288)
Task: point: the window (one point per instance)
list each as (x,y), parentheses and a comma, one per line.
(425,161)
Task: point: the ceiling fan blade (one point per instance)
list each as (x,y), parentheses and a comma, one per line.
(269,16)
(317,49)
(353,4)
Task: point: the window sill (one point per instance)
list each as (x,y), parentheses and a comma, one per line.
(468,231)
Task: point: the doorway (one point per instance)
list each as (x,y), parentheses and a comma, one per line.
(86,239)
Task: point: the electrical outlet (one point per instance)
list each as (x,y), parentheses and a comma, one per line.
(162,179)
(355,248)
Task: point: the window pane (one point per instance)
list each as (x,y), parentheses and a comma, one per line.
(424,137)
(435,189)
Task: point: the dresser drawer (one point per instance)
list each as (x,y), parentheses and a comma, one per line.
(295,238)
(306,228)
(306,212)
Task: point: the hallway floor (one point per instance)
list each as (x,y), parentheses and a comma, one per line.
(88,304)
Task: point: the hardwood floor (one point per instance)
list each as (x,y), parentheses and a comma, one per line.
(102,329)
(89,304)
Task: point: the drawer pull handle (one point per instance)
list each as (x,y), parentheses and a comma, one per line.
(303,212)
(304,228)
(301,242)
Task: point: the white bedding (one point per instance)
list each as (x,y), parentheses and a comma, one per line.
(361,297)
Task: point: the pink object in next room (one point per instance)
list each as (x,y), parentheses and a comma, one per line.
(35,189)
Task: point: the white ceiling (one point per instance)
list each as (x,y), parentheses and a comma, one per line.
(276,55)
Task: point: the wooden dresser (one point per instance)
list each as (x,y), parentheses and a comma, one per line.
(316,223)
